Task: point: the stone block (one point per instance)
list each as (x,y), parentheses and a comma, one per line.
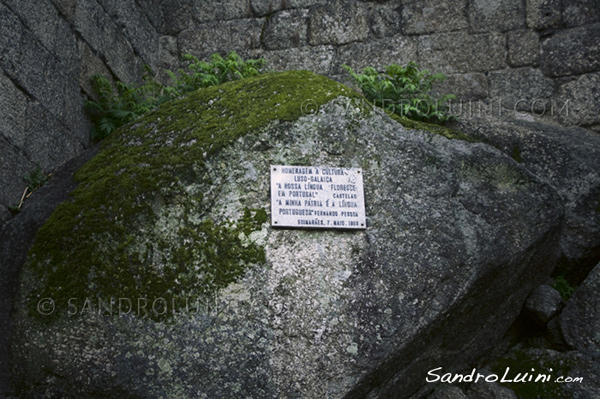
(582,99)
(580,12)
(572,51)
(53,32)
(377,53)
(14,165)
(13,103)
(168,54)
(214,10)
(266,7)
(384,20)
(177,16)
(459,52)
(523,48)
(496,15)
(205,39)
(28,64)
(152,10)
(90,65)
(432,16)
(337,23)
(136,27)
(508,87)
(543,14)
(104,37)
(318,59)
(47,143)
(466,87)
(286,29)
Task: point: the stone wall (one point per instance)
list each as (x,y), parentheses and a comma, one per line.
(540,56)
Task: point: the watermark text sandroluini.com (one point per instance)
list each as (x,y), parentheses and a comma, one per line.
(508,376)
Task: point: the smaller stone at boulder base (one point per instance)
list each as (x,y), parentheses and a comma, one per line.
(543,303)
(580,320)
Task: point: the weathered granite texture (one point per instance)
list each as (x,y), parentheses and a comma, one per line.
(176,206)
(50,48)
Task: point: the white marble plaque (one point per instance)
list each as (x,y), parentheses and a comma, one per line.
(320,197)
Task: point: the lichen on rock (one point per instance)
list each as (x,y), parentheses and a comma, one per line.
(457,231)
(137,226)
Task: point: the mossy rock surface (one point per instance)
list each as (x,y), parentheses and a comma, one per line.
(174,212)
(114,240)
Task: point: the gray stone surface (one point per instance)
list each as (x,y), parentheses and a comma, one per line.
(16,236)
(39,72)
(5,215)
(286,29)
(176,16)
(431,16)
(168,56)
(16,165)
(47,142)
(583,99)
(103,35)
(572,51)
(507,86)
(466,87)
(211,10)
(523,48)
(543,303)
(14,109)
(580,320)
(571,364)
(378,54)
(461,53)
(90,64)
(51,47)
(490,390)
(136,27)
(384,20)
(543,14)
(580,12)
(319,59)
(569,160)
(266,7)
(448,393)
(330,314)
(214,37)
(498,15)
(53,32)
(337,22)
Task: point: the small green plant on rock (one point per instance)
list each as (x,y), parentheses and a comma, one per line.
(35,179)
(563,287)
(115,108)
(405,91)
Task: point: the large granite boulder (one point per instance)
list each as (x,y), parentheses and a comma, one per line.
(580,320)
(567,158)
(161,276)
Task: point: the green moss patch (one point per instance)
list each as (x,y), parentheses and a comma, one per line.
(113,239)
(433,128)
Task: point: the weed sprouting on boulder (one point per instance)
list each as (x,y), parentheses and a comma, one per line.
(405,91)
(115,108)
